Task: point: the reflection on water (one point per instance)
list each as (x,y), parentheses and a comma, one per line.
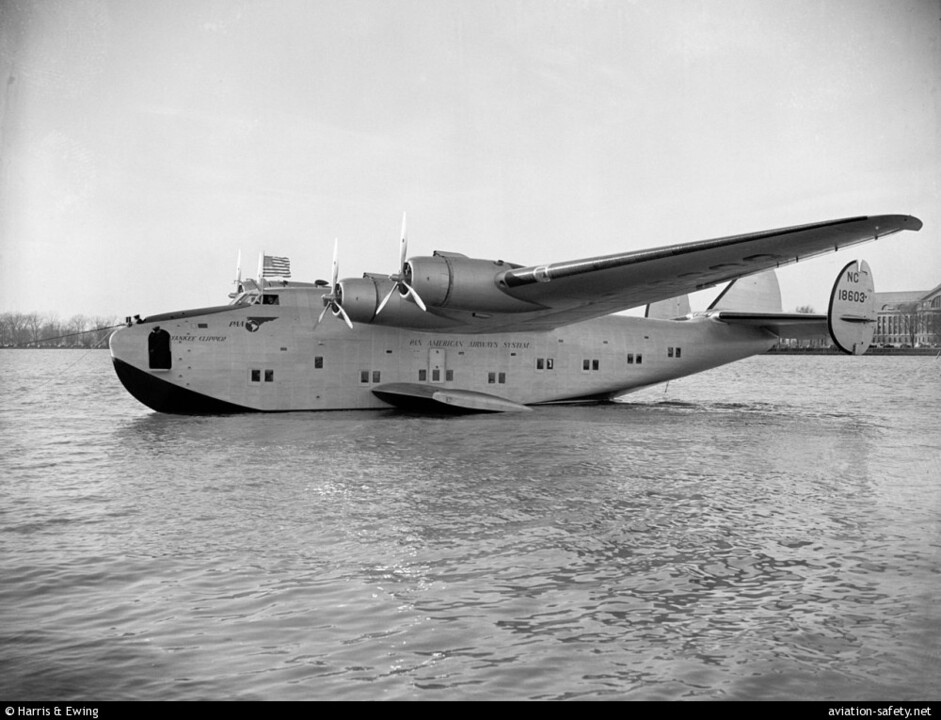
(766,530)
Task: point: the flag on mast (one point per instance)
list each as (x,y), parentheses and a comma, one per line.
(274,266)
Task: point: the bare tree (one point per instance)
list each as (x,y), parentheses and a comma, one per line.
(37,330)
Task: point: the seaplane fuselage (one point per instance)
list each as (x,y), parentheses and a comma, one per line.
(274,357)
(452,333)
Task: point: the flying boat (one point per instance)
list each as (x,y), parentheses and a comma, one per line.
(452,334)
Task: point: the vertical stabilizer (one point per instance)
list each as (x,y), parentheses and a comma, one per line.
(671,309)
(756,293)
(851,316)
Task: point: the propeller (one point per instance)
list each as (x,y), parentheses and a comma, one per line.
(400,279)
(332,299)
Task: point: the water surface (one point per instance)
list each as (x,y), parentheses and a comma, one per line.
(767,530)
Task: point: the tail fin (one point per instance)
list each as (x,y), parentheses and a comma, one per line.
(756,293)
(671,309)
(851,316)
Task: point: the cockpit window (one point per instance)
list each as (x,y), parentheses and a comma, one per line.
(270,300)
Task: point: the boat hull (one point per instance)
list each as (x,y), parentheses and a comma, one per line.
(162,396)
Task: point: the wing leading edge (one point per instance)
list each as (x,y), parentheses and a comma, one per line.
(582,289)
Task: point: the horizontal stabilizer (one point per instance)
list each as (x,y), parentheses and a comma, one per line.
(790,325)
(429,398)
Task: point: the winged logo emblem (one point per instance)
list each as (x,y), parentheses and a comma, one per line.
(253,323)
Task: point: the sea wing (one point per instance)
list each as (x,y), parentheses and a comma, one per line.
(582,289)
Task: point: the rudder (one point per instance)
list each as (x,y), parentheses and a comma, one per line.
(851,316)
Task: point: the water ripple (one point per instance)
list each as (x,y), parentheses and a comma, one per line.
(721,538)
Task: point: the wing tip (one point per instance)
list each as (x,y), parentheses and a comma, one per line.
(900,222)
(914,223)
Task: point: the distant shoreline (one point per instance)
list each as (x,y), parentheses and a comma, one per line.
(870,351)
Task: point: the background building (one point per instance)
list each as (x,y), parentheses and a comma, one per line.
(911,319)
(903,320)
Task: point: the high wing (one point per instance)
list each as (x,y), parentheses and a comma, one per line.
(567,292)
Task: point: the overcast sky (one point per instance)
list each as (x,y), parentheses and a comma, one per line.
(143,143)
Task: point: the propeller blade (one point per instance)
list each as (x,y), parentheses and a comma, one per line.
(323,312)
(336,264)
(415,297)
(386,299)
(345,316)
(403,247)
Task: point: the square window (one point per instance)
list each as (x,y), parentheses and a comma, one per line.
(422,375)
(364,376)
(669,352)
(586,364)
(550,363)
(256,375)
(269,375)
(595,365)
(678,352)
(449,375)
(502,377)
(630,358)
(435,375)
(375,376)
(491,378)
(540,363)
(318,362)
(640,358)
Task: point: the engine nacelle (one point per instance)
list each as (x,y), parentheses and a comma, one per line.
(451,280)
(359,298)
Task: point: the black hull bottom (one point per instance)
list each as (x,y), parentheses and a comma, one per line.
(165,397)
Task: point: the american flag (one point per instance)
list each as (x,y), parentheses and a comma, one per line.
(276,267)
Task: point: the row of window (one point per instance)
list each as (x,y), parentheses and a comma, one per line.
(435,375)
(366,376)
(632,359)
